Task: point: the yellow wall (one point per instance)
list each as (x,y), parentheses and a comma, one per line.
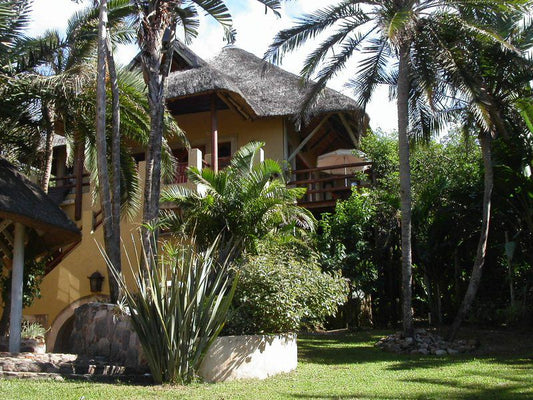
(68,282)
(235,129)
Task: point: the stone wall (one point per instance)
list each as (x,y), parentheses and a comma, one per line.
(100,330)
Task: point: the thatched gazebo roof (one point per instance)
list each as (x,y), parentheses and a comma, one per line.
(260,88)
(23,201)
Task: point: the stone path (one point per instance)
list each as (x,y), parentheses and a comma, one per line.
(70,366)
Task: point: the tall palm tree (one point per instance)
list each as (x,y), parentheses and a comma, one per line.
(387,34)
(239,204)
(488,82)
(158,21)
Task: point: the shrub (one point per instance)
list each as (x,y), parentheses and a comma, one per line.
(32,330)
(281,289)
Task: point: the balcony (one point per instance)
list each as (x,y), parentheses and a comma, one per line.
(325,185)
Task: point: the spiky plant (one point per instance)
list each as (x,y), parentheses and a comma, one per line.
(178,307)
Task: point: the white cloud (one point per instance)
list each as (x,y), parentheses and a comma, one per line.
(255,31)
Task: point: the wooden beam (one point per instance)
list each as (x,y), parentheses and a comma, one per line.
(15,317)
(5,249)
(308,137)
(301,156)
(9,237)
(234,106)
(214,134)
(4,224)
(347,126)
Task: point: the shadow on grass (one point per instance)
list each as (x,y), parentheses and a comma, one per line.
(467,382)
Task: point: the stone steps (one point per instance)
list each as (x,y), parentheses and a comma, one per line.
(67,366)
(139,379)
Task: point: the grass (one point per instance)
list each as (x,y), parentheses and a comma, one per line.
(337,367)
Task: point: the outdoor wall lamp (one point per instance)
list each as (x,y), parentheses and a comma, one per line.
(96,280)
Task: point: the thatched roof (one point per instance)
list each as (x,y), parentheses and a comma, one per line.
(268,90)
(23,201)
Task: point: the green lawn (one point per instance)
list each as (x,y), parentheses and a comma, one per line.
(334,367)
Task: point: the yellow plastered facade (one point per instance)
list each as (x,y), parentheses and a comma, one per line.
(67,285)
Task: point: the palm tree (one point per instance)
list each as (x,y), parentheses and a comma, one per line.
(488,82)
(66,91)
(158,21)
(387,34)
(241,203)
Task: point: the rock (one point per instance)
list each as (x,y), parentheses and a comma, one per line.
(452,351)
(440,352)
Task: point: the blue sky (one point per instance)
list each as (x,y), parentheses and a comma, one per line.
(255,31)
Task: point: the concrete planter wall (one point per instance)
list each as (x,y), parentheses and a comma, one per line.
(249,357)
(99,331)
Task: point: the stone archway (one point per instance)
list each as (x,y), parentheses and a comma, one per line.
(65,316)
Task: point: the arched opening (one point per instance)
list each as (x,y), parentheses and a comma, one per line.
(63,343)
(61,323)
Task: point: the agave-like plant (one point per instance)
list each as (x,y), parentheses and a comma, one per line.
(178,306)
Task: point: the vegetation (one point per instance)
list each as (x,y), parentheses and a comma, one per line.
(282,289)
(362,237)
(336,367)
(178,307)
(402,44)
(244,202)
(32,330)
(158,22)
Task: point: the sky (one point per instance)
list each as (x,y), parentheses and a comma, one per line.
(255,31)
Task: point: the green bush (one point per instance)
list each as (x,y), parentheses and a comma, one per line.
(282,289)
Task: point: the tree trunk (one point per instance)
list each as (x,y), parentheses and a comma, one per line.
(101,145)
(155,69)
(405,187)
(48,119)
(114,245)
(477,270)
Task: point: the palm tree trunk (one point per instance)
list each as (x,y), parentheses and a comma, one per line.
(405,187)
(155,68)
(477,270)
(101,144)
(48,149)
(114,246)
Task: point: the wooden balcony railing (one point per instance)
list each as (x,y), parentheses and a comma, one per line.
(61,187)
(326,185)
(181,168)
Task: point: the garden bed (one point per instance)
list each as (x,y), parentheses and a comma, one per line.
(249,357)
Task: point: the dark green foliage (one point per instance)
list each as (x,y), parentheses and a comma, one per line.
(282,289)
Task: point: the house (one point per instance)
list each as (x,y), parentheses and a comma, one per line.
(221,104)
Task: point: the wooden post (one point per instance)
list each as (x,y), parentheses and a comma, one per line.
(17,273)
(80,150)
(214,134)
